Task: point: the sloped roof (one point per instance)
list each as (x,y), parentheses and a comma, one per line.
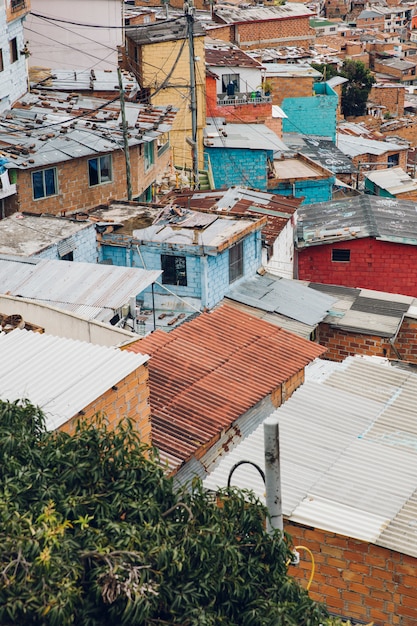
(355,425)
(90,289)
(210,371)
(394,180)
(321,150)
(230,57)
(387,219)
(242,201)
(367,311)
(281,295)
(61,376)
(47,127)
(356,146)
(247,136)
(233,15)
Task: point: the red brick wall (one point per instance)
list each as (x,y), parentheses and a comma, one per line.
(357,579)
(294,31)
(406,341)
(341,344)
(379,265)
(74,194)
(239,113)
(129,399)
(392,97)
(291,87)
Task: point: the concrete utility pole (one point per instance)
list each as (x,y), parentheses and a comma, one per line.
(189,13)
(125,135)
(273,475)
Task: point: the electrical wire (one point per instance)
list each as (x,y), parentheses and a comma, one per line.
(313,564)
(98,26)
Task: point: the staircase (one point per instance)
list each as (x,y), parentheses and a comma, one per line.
(204,180)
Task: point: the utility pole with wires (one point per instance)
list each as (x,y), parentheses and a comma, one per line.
(189,13)
(125,135)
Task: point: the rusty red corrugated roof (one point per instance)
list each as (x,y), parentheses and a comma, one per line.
(208,372)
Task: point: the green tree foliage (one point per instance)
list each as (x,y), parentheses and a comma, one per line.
(93,533)
(355,92)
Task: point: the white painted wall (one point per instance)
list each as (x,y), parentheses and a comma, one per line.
(13,78)
(250,77)
(61,45)
(282,261)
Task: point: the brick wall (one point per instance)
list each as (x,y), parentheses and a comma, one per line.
(298,87)
(406,340)
(390,96)
(129,398)
(340,343)
(380,161)
(74,193)
(293,31)
(376,22)
(357,579)
(398,74)
(379,265)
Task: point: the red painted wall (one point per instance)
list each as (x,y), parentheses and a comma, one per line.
(379,265)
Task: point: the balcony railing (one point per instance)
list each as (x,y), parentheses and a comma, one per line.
(18,5)
(250,97)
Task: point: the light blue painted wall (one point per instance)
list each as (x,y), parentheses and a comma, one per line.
(239,166)
(207,276)
(312,190)
(315,115)
(85,251)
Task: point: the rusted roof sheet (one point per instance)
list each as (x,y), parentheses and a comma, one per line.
(230,57)
(240,201)
(208,372)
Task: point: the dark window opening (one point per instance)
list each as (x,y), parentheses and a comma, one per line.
(393,160)
(230,82)
(68,257)
(174,270)
(236,261)
(99,170)
(44,183)
(13,50)
(339,254)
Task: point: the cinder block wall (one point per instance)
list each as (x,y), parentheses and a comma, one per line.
(357,579)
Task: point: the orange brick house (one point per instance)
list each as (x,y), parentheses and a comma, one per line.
(348,460)
(263,27)
(64,152)
(71,379)
(213,379)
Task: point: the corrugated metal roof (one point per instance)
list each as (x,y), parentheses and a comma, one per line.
(248,136)
(207,373)
(360,216)
(357,146)
(229,56)
(366,311)
(232,15)
(321,150)
(81,284)
(61,376)
(47,127)
(281,295)
(394,180)
(241,201)
(298,328)
(356,462)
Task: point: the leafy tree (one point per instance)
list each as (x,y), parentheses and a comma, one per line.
(355,92)
(92,532)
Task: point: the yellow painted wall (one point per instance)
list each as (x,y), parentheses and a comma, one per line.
(157,61)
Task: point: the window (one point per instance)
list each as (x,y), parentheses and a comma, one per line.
(393,160)
(230,78)
(99,170)
(149,154)
(339,254)
(1,60)
(163,143)
(13,50)
(175,270)
(16,5)
(236,261)
(44,183)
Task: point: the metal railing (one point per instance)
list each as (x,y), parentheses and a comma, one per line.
(253,97)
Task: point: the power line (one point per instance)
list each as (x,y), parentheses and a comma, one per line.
(133,27)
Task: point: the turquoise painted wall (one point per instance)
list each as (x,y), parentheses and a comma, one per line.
(315,115)
(207,276)
(311,190)
(374,190)
(239,166)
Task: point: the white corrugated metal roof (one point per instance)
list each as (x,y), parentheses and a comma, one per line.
(348,441)
(395,180)
(61,376)
(355,146)
(82,284)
